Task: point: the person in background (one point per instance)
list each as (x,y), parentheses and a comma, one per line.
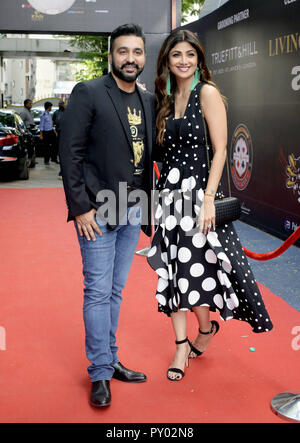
(48,134)
(57,119)
(26,114)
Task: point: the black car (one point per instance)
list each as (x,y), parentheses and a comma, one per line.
(17,151)
(38,143)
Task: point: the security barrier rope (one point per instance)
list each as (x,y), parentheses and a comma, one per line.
(269,255)
(266,255)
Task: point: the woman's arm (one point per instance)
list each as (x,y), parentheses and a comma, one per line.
(215,115)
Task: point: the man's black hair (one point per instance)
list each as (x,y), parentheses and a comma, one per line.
(128,29)
(47,105)
(27,101)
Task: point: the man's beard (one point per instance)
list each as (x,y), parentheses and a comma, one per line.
(129,78)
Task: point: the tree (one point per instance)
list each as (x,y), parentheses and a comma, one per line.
(190,8)
(94,52)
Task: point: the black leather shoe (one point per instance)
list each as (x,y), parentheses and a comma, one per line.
(123,374)
(100,395)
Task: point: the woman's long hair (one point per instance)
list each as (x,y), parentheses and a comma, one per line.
(164,102)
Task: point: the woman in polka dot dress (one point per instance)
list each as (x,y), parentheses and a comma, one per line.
(200,267)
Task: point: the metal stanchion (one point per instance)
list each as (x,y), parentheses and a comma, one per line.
(145,251)
(287,405)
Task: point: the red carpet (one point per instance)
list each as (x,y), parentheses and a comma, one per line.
(43,367)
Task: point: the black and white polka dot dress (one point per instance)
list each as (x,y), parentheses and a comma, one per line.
(195,269)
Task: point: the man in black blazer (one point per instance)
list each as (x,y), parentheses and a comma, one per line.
(105,154)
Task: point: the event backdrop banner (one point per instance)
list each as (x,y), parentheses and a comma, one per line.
(253,50)
(83,16)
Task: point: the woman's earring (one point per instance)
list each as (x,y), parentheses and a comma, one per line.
(196,79)
(168,85)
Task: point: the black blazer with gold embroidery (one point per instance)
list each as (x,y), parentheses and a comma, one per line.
(95,145)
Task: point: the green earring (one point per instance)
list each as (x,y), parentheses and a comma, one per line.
(196,80)
(168,85)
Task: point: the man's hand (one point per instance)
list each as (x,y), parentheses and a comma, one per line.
(87,224)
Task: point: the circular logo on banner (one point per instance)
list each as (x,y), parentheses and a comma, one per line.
(241,157)
(51,7)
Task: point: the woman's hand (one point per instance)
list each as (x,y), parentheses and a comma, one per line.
(207,215)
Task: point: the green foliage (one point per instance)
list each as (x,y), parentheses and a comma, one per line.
(94,52)
(190,8)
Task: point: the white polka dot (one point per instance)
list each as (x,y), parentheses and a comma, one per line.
(174,175)
(212,237)
(210,256)
(186,196)
(152,251)
(158,212)
(226,266)
(173,251)
(194,296)
(199,240)
(196,209)
(171,222)
(175,302)
(226,281)
(188,184)
(161,299)
(168,199)
(186,223)
(234,300)
(164,192)
(223,256)
(200,195)
(209,284)
(162,272)
(218,300)
(230,304)
(178,205)
(220,277)
(183,285)
(162,284)
(196,270)
(184,255)
(164,257)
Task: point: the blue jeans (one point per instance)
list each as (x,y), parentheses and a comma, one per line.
(106,265)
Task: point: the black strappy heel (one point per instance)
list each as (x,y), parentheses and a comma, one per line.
(195,350)
(177,370)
